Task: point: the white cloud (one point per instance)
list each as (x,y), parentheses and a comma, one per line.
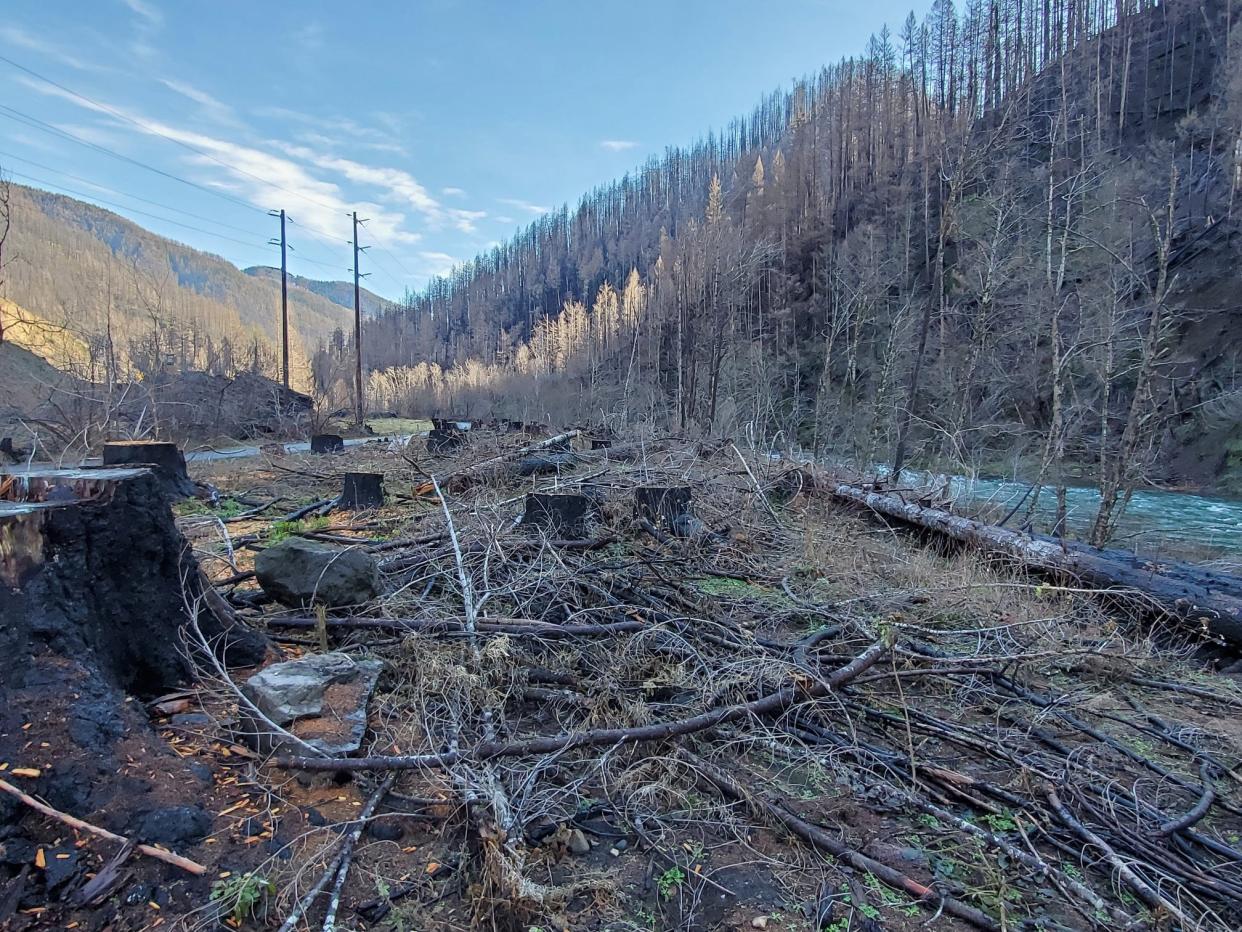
(309,38)
(438,263)
(216,107)
(527,206)
(452,192)
(15,36)
(145,10)
(266,180)
(617,145)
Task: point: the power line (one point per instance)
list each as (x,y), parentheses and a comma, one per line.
(147,128)
(36,123)
(136,197)
(135,210)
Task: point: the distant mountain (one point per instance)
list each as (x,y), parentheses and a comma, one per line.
(148,301)
(341,293)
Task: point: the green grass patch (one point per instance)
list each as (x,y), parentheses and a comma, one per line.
(282,530)
(724,587)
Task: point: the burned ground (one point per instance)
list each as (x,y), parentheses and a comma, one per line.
(797,719)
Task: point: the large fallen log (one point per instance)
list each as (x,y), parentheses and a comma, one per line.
(1210,600)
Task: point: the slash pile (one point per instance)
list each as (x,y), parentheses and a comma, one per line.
(794,718)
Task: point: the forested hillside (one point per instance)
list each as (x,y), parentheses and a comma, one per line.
(1004,234)
(338,292)
(99,294)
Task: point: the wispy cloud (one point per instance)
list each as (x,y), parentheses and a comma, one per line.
(145,10)
(217,108)
(452,192)
(617,145)
(438,263)
(16,37)
(309,38)
(525,205)
(264,178)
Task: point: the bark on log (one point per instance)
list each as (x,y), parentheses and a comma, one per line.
(1210,600)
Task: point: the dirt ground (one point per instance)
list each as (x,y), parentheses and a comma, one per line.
(1009,751)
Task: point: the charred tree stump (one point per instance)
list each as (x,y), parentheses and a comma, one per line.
(96,586)
(327,443)
(667,508)
(444,441)
(362,490)
(564,516)
(165,459)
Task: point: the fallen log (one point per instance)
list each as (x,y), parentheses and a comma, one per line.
(1210,600)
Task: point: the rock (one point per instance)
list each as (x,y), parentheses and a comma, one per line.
(62,867)
(577,842)
(297,572)
(17,851)
(321,699)
(190,719)
(386,830)
(174,825)
(759,922)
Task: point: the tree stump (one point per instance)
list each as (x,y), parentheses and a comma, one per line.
(327,443)
(165,459)
(668,510)
(444,441)
(566,516)
(362,490)
(96,584)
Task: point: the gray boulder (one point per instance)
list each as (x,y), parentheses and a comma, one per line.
(298,572)
(322,699)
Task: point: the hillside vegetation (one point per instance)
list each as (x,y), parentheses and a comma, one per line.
(131,302)
(1004,236)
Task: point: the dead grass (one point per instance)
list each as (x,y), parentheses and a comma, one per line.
(725,621)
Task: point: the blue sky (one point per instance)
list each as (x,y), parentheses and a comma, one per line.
(448,123)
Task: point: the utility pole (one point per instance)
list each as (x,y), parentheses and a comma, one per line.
(284,297)
(359,405)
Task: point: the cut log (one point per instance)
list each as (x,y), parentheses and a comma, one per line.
(362,490)
(327,443)
(165,459)
(566,516)
(1211,601)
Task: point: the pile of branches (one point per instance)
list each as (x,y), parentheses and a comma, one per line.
(1071,761)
